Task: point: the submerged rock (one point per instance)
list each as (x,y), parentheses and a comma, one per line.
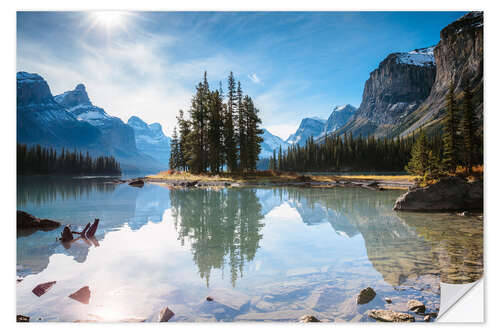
(366,295)
(388,300)
(452,193)
(22,319)
(390,316)
(82,295)
(309,319)
(42,288)
(416,306)
(165,315)
(137,183)
(28,221)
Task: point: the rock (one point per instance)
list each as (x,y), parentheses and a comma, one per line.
(137,183)
(464,213)
(390,316)
(416,306)
(42,288)
(388,300)
(28,221)
(165,315)
(209,299)
(366,295)
(452,193)
(304,178)
(309,319)
(427,318)
(191,184)
(82,295)
(22,319)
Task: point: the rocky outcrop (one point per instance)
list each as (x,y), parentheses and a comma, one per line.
(451,194)
(395,89)
(459,58)
(309,319)
(28,221)
(390,316)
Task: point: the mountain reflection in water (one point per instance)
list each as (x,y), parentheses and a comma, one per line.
(293,249)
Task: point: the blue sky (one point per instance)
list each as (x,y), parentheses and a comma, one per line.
(293,65)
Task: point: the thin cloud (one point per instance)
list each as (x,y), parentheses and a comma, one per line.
(254,78)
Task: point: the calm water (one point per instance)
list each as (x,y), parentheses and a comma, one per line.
(261,253)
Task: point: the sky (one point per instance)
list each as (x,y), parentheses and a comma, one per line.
(293,64)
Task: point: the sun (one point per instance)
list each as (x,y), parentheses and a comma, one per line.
(109,19)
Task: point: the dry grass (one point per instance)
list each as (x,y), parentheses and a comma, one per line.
(269,176)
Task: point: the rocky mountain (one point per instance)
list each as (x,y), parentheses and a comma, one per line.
(150,139)
(340,115)
(71,121)
(408,90)
(40,119)
(399,85)
(308,127)
(459,58)
(271,142)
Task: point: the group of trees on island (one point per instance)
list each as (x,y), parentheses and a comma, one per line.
(462,144)
(220,135)
(38,160)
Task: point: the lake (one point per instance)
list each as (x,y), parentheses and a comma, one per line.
(261,254)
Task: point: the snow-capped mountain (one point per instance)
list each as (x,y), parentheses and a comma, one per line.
(271,142)
(117,136)
(150,139)
(308,127)
(339,116)
(418,57)
(71,121)
(41,120)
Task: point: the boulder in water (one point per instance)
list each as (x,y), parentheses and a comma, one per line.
(28,221)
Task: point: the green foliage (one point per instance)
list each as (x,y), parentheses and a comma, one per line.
(38,160)
(218,134)
(423,163)
(345,153)
(469,129)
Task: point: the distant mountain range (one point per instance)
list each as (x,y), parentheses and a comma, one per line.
(71,121)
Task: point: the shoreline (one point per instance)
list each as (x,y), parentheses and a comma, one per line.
(372,182)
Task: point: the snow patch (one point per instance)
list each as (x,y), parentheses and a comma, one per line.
(418,57)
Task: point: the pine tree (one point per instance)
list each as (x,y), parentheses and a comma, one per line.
(450,138)
(174,161)
(229,135)
(469,129)
(419,161)
(241,133)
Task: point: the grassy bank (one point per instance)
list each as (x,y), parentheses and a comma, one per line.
(268,177)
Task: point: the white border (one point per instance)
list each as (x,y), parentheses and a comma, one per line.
(7,87)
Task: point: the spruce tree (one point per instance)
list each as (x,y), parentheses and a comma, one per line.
(469,129)
(419,161)
(229,135)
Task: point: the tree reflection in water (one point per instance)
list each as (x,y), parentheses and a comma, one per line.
(222,226)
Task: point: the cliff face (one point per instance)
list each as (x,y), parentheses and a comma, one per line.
(459,57)
(394,90)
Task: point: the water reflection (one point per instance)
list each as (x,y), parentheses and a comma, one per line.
(262,253)
(219,224)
